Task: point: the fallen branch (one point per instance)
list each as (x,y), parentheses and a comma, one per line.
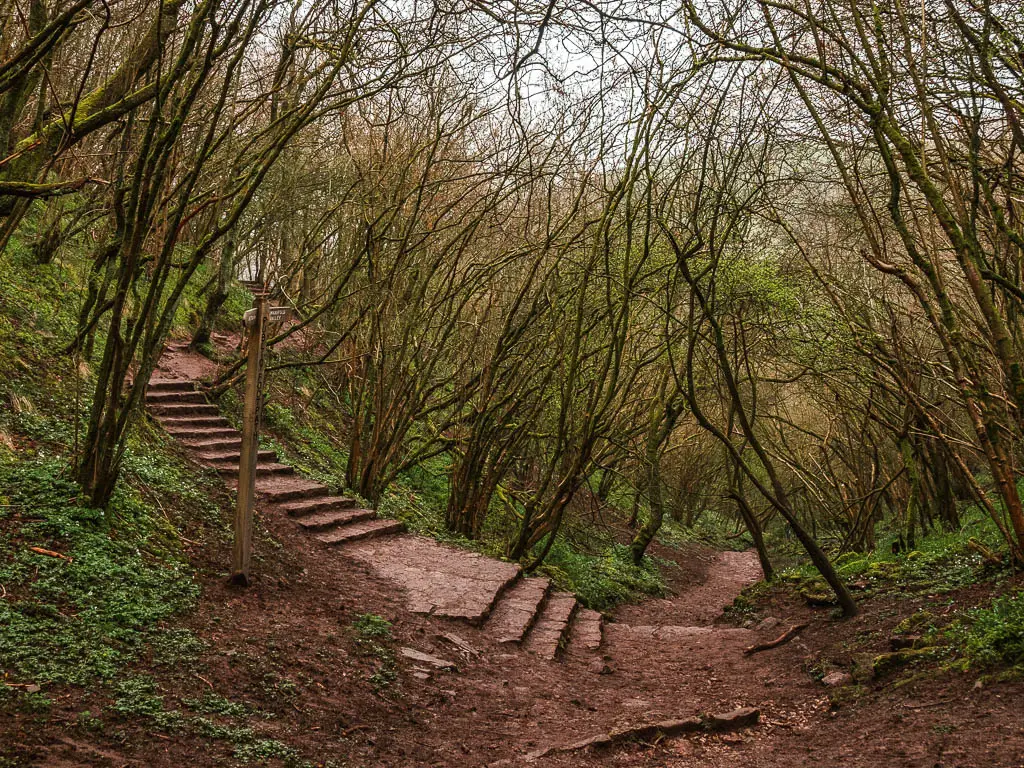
(204,680)
(987,554)
(785,637)
(49,553)
(653,733)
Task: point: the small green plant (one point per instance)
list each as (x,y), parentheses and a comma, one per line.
(277,686)
(262,750)
(370,625)
(372,634)
(87,721)
(36,703)
(175,646)
(385,675)
(137,697)
(215,704)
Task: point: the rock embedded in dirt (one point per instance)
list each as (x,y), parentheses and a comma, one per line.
(837,679)
(462,644)
(426,658)
(601,668)
(903,642)
(768,623)
(863,667)
(738,718)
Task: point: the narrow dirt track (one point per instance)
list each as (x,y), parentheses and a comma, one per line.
(697,602)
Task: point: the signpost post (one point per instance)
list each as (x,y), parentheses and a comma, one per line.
(242,553)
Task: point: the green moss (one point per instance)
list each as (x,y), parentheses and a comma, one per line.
(888,662)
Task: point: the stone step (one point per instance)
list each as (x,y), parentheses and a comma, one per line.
(185,409)
(174,397)
(270,469)
(551,627)
(322,504)
(280,489)
(204,433)
(517,609)
(194,421)
(217,458)
(587,629)
(364,529)
(232,443)
(170,385)
(321,521)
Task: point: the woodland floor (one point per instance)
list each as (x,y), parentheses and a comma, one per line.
(285,648)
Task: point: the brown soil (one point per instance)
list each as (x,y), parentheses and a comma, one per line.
(293,625)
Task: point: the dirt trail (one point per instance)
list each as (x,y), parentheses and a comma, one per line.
(701,595)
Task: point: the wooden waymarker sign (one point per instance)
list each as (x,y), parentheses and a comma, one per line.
(277,314)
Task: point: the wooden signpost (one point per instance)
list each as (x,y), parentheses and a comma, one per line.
(242,552)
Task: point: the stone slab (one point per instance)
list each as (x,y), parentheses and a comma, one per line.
(438,580)
(516,611)
(587,630)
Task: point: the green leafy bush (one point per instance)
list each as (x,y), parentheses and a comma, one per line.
(369,625)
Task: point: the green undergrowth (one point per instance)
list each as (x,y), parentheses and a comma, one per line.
(139,699)
(991,636)
(942,561)
(710,528)
(606,578)
(89,590)
(311,445)
(85,592)
(986,637)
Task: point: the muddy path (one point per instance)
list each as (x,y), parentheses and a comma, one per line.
(702,584)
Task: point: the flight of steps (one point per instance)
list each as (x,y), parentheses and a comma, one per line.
(185,414)
(529,614)
(516,610)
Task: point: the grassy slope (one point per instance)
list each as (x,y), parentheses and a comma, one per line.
(88,597)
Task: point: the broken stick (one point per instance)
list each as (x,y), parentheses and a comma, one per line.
(785,637)
(49,553)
